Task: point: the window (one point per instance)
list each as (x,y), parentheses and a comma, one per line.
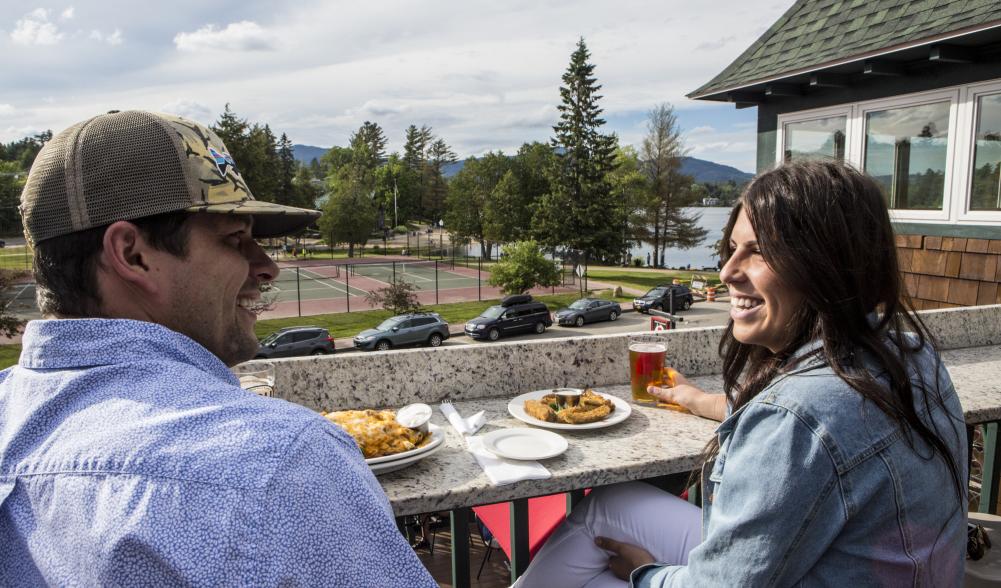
(906,152)
(420,322)
(304,336)
(935,154)
(985,180)
(820,138)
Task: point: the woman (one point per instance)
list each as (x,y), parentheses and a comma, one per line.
(841,456)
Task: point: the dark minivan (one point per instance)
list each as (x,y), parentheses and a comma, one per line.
(515,314)
(660,298)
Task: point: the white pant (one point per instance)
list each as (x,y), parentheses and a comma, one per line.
(663,524)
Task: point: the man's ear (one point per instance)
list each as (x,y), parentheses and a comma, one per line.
(127,256)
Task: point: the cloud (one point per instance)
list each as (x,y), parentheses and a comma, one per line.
(701,130)
(6,109)
(68,13)
(189,109)
(716,44)
(238,36)
(36,29)
(115,38)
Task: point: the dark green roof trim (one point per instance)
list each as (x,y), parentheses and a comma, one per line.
(935,230)
(821,33)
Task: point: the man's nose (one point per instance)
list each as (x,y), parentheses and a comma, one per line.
(262,266)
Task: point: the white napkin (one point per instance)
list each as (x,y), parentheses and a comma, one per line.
(505,471)
(463,426)
(499,470)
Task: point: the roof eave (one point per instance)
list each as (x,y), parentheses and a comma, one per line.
(721,94)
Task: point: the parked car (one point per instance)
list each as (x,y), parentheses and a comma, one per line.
(587,310)
(515,314)
(659,298)
(406,329)
(293,341)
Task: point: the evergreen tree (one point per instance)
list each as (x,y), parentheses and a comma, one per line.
(233,131)
(666,224)
(575,213)
(287,170)
(435,186)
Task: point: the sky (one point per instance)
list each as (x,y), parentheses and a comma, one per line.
(484,75)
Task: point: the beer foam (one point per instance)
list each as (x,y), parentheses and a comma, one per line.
(648,347)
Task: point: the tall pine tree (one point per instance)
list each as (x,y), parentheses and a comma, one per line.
(576,213)
(287,168)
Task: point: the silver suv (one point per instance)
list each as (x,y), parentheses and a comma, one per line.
(418,328)
(292,341)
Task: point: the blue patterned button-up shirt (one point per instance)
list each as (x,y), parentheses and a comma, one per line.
(130,456)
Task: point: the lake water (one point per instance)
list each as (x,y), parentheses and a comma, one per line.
(713,220)
(703,255)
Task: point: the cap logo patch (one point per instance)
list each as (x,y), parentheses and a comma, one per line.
(223,161)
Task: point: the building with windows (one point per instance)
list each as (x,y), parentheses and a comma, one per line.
(910,92)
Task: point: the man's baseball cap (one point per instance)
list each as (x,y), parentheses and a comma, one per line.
(134,164)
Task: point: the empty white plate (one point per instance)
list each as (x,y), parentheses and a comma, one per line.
(524,443)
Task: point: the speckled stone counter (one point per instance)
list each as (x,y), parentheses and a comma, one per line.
(651,442)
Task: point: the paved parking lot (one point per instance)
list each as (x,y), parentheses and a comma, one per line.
(702,314)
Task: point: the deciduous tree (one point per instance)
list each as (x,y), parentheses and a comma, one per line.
(666,222)
(523,267)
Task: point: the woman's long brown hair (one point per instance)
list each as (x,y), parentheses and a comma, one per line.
(824,229)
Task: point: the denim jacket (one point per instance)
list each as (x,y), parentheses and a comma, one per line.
(815,486)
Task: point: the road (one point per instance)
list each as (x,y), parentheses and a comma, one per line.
(702,314)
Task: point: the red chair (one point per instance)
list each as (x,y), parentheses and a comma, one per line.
(545,513)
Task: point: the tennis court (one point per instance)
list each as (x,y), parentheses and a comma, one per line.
(358,279)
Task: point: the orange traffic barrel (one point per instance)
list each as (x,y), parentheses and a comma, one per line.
(710,294)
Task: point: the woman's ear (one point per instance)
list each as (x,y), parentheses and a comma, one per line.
(126,256)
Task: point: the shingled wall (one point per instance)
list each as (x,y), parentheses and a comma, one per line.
(944,272)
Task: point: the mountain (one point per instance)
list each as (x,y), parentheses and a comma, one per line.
(708,171)
(307,153)
(700,169)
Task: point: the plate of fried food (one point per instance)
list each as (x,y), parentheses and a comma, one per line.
(386,444)
(569,409)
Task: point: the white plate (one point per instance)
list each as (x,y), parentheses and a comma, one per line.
(437,438)
(391,466)
(524,443)
(517,409)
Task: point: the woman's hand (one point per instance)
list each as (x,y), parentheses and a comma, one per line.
(692,398)
(627,557)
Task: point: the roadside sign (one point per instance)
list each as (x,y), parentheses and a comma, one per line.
(579,270)
(698,284)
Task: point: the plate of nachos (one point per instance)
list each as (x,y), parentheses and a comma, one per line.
(384,441)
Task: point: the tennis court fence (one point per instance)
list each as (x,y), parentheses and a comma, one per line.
(434,281)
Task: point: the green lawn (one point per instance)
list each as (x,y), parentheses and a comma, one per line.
(9,355)
(646,280)
(16,257)
(349,324)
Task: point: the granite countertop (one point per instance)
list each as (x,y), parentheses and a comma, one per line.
(651,442)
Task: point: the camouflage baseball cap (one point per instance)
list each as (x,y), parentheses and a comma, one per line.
(134,164)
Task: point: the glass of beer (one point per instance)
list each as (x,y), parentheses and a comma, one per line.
(646,365)
(256,376)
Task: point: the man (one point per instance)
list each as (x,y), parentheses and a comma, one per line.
(129,455)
